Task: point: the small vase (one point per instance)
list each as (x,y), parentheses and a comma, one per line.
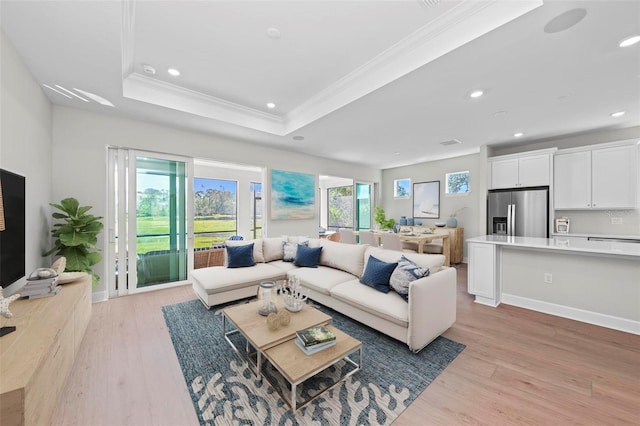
(452,222)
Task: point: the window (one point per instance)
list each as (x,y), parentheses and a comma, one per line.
(402,188)
(215,211)
(457,183)
(340,206)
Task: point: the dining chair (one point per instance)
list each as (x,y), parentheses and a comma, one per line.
(391,241)
(346,236)
(368,237)
(335,236)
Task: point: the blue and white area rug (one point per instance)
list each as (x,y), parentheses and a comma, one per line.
(225,391)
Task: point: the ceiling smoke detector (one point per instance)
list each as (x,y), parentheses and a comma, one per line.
(450,142)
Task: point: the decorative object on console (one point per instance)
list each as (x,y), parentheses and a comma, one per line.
(77,237)
(426,200)
(292,195)
(265,293)
(452,222)
(5,312)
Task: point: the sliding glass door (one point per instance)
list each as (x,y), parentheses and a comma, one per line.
(364,201)
(150,239)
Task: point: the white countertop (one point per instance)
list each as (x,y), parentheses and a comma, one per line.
(625,236)
(563,244)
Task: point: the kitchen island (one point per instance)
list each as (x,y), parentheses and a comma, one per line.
(591,281)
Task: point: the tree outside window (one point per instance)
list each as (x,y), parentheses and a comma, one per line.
(457,182)
(340,205)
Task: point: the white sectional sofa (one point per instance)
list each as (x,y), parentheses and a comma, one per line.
(428,312)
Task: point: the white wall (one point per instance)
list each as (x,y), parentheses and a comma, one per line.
(469,218)
(80,139)
(25,147)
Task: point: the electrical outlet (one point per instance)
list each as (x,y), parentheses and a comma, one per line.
(616,221)
(548,278)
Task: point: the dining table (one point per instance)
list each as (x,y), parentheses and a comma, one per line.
(422,238)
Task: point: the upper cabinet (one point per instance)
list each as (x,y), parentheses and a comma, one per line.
(521,170)
(602,177)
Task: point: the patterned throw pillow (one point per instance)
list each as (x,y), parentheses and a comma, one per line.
(307,256)
(290,250)
(240,256)
(406,272)
(377,274)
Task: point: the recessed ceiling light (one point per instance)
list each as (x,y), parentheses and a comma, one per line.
(396,153)
(518,134)
(476,93)
(271,105)
(298,138)
(174,72)
(273,33)
(451,142)
(630,41)
(565,20)
(617,114)
(500,113)
(148,69)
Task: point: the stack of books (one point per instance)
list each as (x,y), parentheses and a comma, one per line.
(314,339)
(44,287)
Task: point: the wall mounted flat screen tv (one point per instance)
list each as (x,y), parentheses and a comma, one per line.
(12,239)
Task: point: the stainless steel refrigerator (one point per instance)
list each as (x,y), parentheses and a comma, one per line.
(518,212)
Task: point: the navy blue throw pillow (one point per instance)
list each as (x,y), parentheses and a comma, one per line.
(377,274)
(307,256)
(240,256)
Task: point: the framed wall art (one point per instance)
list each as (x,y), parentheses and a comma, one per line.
(293,195)
(426,200)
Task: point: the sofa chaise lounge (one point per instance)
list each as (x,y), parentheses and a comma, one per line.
(429,310)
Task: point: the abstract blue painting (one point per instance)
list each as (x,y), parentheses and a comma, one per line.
(293,195)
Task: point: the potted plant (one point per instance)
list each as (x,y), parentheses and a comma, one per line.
(452,222)
(76,237)
(381,219)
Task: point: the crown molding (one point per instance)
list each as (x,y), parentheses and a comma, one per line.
(139,87)
(462,23)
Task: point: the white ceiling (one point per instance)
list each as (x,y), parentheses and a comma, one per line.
(375,82)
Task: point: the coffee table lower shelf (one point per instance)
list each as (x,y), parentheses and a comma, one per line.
(297,367)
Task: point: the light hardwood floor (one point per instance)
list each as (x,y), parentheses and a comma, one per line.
(519,367)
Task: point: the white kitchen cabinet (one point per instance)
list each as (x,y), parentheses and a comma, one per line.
(600,178)
(614,177)
(516,171)
(482,279)
(572,180)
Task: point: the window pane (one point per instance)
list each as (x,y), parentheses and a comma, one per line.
(457,183)
(340,205)
(256,209)
(215,211)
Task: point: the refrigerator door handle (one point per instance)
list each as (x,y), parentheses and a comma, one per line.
(509,220)
(513,220)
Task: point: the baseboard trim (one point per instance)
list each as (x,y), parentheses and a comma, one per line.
(590,317)
(99,296)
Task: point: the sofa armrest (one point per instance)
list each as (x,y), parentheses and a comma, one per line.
(432,307)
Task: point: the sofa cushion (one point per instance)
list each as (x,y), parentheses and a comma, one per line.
(389,306)
(432,261)
(406,272)
(258,257)
(272,249)
(240,256)
(322,278)
(377,274)
(218,279)
(307,256)
(290,250)
(282,265)
(347,257)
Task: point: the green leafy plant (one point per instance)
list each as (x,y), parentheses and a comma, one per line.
(381,219)
(76,237)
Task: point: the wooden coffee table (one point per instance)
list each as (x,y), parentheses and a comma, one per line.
(279,349)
